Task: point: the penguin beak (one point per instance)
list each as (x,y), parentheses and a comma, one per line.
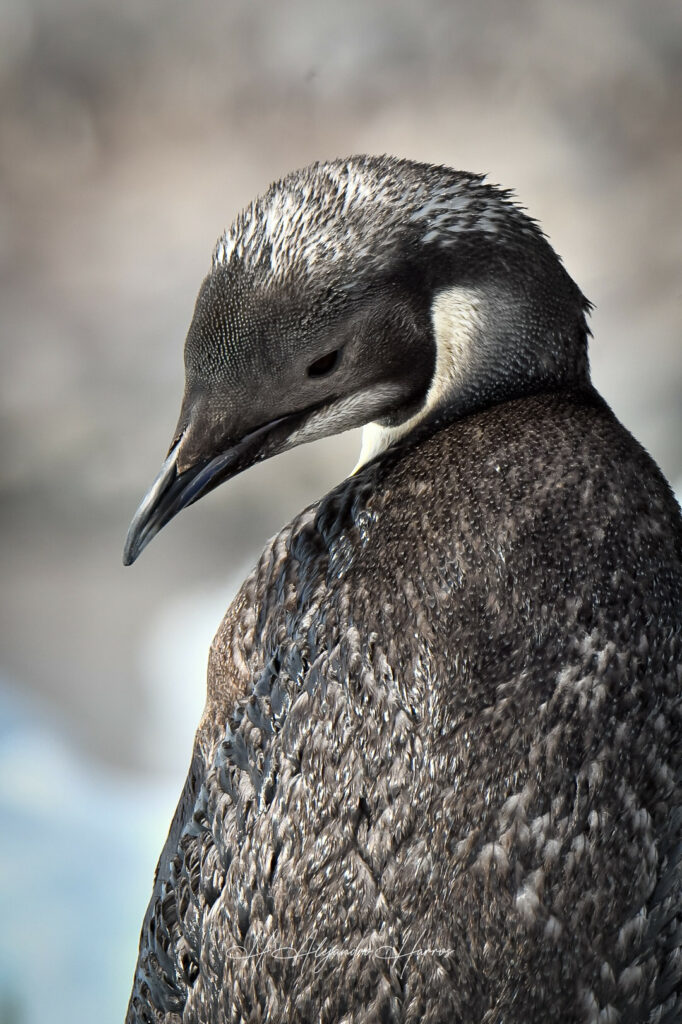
(175,489)
(195,463)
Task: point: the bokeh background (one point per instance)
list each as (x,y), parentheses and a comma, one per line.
(130,134)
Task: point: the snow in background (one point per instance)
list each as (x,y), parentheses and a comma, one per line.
(79,838)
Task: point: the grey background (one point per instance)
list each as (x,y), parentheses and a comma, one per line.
(130,135)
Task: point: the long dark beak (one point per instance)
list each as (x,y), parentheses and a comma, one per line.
(172,490)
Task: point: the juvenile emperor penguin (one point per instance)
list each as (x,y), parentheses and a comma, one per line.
(437,778)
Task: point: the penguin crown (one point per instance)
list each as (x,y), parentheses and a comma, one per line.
(355,213)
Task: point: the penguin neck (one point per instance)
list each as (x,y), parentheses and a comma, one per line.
(488,348)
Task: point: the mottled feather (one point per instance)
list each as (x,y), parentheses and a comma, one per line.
(438,776)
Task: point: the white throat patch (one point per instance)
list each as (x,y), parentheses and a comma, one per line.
(457,316)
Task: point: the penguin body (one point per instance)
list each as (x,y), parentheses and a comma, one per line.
(438,774)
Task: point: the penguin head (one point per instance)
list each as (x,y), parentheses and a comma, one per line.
(369,292)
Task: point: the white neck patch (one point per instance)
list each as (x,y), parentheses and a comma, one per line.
(457,317)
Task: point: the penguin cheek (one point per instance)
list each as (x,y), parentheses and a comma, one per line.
(395,349)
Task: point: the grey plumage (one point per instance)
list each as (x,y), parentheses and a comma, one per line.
(438,774)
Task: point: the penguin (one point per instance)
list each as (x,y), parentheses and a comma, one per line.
(437,777)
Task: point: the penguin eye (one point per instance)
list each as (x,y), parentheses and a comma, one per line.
(325,364)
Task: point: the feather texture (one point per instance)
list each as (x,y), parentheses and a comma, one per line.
(438,775)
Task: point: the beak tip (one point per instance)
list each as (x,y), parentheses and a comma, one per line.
(129,555)
(149,519)
(132,547)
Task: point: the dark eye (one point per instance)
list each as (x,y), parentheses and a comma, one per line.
(325,364)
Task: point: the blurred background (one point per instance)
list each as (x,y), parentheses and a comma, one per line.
(130,135)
